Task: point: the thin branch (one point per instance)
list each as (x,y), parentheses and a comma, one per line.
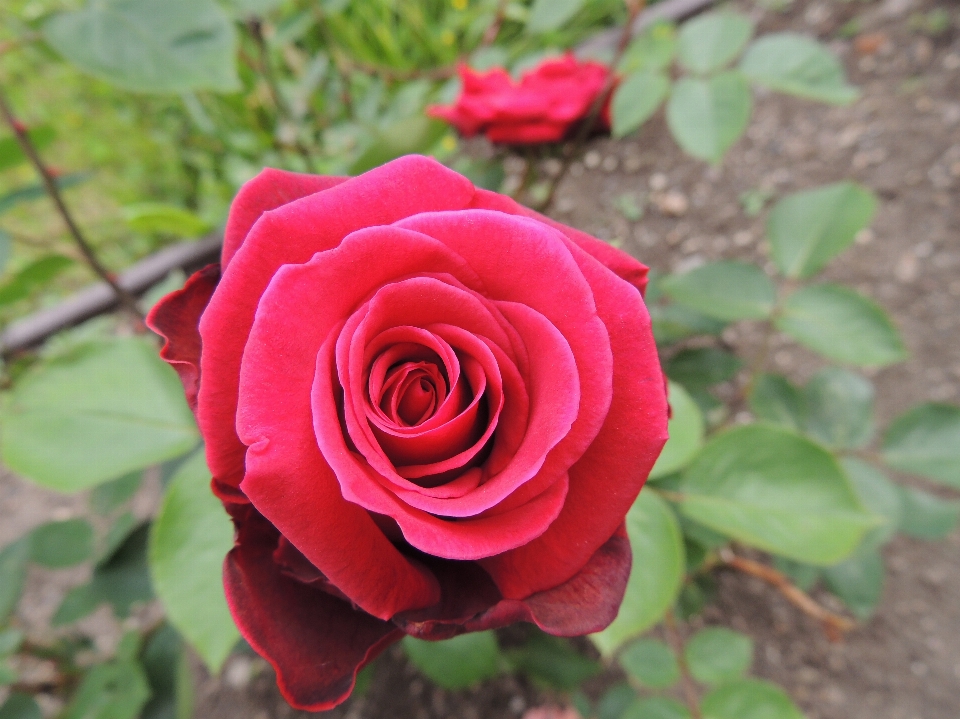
(687,684)
(127,300)
(834,625)
(634,8)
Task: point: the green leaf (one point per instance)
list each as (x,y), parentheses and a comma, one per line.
(841,325)
(652,663)
(797,65)
(125,525)
(839,408)
(116,690)
(244,9)
(191,536)
(101,411)
(656,575)
(713,39)
(926,516)
(716,655)
(107,497)
(411,135)
(6,244)
(772,489)
(706,116)
(150,45)
(122,580)
(61,544)
(20,706)
(774,399)
(615,701)
(858,581)
(652,49)
(547,15)
(656,708)
(168,674)
(554,662)
(672,323)
(803,575)
(808,229)
(10,641)
(456,663)
(726,290)
(702,367)
(161,218)
(13,573)
(10,153)
(38,191)
(636,99)
(686,433)
(879,495)
(926,441)
(749,699)
(35,275)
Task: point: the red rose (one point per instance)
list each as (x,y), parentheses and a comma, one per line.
(427,409)
(547,102)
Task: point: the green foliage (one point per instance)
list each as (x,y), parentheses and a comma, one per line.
(725,290)
(169,676)
(774,399)
(61,544)
(115,690)
(654,583)
(652,49)
(547,15)
(716,655)
(150,45)
(458,662)
(839,408)
(20,706)
(108,408)
(926,441)
(553,662)
(712,40)
(858,581)
(879,495)
(10,153)
(190,538)
(808,229)
(748,699)
(686,433)
(615,701)
(109,496)
(656,708)
(35,275)
(926,516)
(707,116)
(841,325)
(770,488)
(797,65)
(13,574)
(29,193)
(161,218)
(652,663)
(636,99)
(672,323)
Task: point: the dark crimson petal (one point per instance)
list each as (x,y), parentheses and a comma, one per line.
(176,318)
(269,190)
(585,603)
(622,264)
(315,642)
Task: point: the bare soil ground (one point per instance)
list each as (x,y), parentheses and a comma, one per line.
(903,140)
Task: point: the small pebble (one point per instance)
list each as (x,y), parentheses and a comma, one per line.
(238,672)
(907,268)
(672,203)
(658,182)
(592,160)
(633,163)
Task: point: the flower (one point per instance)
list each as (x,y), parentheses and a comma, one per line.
(426,408)
(549,100)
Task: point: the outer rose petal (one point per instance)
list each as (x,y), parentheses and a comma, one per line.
(269,190)
(176,318)
(315,642)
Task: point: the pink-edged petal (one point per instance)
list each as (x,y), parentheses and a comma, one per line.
(176,318)
(316,642)
(620,263)
(290,234)
(585,603)
(267,191)
(607,478)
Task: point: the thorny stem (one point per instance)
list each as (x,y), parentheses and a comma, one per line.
(127,300)
(634,8)
(834,625)
(686,680)
(266,71)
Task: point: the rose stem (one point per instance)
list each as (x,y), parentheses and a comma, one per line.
(126,300)
(686,680)
(634,8)
(834,625)
(266,71)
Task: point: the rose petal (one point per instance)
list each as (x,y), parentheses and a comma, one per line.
(315,642)
(176,318)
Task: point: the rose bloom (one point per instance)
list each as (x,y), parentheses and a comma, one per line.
(548,101)
(426,408)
